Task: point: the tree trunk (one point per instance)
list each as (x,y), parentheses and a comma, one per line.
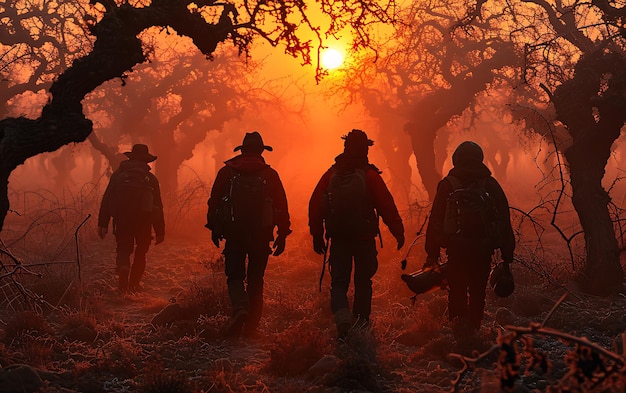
(116,51)
(434,111)
(423,142)
(593,107)
(602,273)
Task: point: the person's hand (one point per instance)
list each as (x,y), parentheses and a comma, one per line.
(400,240)
(279,245)
(430,263)
(158,239)
(216,237)
(102,232)
(319,245)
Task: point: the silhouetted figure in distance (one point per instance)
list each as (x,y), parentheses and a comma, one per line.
(133,199)
(344,209)
(247,201)
(471,243)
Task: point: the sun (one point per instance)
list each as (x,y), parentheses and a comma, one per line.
(331,58)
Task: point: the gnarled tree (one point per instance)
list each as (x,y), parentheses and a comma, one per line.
(576,52)
(428,73)
(116,49)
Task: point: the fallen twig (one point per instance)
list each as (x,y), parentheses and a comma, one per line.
(467,361)
(543,331)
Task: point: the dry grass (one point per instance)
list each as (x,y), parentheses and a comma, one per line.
(26,322)
(407,349)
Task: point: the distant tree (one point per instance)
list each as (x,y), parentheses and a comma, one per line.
(428,73)
(116,49)
(172,111)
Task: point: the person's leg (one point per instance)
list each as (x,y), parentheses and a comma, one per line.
(257,262)
(235,252)
(125,241)
(477,289)
(143,237)
(365,266)
(457,295)
(340,265)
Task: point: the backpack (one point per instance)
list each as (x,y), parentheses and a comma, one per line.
(471,212)
(348,210)
(248,204)
(134,191)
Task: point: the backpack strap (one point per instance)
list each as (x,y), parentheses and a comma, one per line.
(456,182)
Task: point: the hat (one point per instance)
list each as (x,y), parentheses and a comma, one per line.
(252,143)
(356,143)
(357,138)
(140,152)
(467,151)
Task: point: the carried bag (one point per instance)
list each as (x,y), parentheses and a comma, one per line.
(471,212)
(348,210)
(248,203)
(501,280)
(134,191)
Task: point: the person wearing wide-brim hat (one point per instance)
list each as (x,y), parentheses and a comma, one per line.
(344,209)
(247,202)
(133,199)
(140,152)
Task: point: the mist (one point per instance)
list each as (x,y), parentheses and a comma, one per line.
(418,89)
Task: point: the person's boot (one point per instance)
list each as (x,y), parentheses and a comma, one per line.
(123,272)
(236,323)
(343,320)
(133,282)
(134,278)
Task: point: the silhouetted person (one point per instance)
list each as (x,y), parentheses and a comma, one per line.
(247,201)
(469,247)
(133,199)
(344,209)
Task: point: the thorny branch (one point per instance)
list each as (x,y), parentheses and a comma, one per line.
(509,358)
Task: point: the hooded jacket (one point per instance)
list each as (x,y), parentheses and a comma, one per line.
(465,170)
(251,163)
(376,188)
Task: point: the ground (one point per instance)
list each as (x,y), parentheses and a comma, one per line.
(91,338)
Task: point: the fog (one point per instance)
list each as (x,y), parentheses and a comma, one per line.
(192,112)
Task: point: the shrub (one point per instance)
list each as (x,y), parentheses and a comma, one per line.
(296,349)
(158,380)
(25,322)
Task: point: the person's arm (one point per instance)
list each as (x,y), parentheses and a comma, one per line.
(316,216)
(215,199)
(106,208)
(280,205)
(435,236)
(385,205)
(508,238)
(158,218)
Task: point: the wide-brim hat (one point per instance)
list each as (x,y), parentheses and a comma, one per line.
(140,152)
(357,138)
(253,142)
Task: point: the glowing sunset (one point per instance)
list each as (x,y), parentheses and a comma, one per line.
(329,196)
(331,58)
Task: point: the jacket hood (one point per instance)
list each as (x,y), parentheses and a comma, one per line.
(346,161)
(470,170)
(133,164)
(247,163)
